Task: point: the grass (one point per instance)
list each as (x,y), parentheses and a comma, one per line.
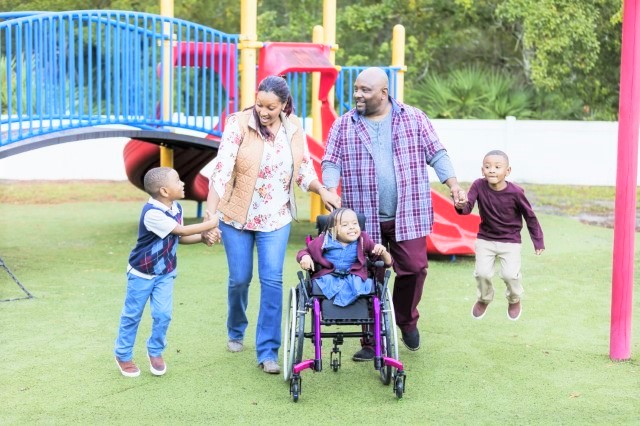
(550,367)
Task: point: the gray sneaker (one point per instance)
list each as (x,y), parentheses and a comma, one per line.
(235,346)
(270,366)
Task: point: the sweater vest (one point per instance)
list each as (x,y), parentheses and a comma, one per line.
(153,255)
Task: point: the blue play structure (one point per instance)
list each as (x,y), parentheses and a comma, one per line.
(68,76)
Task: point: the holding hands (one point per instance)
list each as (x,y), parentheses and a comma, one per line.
(459,196)
(213,235)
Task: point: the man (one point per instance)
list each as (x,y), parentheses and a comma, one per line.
(379,151)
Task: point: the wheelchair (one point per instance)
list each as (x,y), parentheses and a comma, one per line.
(372,313)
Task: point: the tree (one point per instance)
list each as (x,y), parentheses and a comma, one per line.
(569,46)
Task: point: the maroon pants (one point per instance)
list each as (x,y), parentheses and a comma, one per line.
(410,265)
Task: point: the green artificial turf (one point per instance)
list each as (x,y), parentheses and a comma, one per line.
(56,350)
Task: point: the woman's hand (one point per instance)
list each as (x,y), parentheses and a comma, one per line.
(330,198)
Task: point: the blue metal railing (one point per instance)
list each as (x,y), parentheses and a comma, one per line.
(72,70)
(89,68)
(301,89)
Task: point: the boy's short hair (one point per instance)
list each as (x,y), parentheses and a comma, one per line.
(498,152)
(155,179)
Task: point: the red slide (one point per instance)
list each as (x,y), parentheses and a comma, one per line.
(453,234)
(140,156)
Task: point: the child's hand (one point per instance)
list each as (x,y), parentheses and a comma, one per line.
(379,250)
(539,252)
(306,263)
(212,236)
(460,204)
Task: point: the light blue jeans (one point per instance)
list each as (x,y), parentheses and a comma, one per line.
(159,292)
(271,247)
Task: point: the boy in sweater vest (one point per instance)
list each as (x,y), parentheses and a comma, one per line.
(152,268)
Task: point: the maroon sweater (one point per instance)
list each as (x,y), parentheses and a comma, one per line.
(324,267)
(501,213)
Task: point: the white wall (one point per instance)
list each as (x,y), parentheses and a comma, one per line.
(546,152)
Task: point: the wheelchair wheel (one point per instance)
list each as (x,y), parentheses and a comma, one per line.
(294,337)
(399,386)
(289,338)
(389,340)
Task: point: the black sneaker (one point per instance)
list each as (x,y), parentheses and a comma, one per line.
(365,354)
(411,339)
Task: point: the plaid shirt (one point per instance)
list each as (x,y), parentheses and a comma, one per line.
(415,145)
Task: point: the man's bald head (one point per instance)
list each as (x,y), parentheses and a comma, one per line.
(371,93)
(376,77)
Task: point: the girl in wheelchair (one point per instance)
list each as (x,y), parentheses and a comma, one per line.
(337,258)
(339,290)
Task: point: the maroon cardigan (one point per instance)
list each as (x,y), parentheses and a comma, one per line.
(324,267)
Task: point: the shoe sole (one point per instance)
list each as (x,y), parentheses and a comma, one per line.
(126,373)
(154,371)
(361,359)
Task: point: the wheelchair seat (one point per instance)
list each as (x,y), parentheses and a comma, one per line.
(355,313)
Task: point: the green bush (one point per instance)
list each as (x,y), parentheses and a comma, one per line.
(472,92)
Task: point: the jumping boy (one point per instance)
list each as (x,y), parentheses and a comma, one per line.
(152,268)
(502,205)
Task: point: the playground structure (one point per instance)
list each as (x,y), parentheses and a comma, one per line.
(168,85)
(71,76)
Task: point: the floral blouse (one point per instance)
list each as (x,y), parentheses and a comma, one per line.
(269,209)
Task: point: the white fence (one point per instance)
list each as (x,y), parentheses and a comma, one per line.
(546,152)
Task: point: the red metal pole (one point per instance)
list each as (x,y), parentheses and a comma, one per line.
(626,183)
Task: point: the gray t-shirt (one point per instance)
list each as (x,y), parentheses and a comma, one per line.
(382,151)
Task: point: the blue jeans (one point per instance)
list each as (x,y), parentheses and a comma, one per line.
(159,292)
(271,250)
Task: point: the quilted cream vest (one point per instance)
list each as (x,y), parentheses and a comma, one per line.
(234,204)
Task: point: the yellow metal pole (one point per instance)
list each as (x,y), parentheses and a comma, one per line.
(397,59)
(329,24)
(329,36)
(248,45)
(316,207)
(166,9)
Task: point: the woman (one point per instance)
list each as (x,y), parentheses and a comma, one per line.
(262,153)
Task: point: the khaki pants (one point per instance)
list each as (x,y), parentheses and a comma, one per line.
(509,255)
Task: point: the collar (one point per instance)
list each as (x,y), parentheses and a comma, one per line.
(174,206)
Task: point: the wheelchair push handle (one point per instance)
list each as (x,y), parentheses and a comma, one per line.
(376,264)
